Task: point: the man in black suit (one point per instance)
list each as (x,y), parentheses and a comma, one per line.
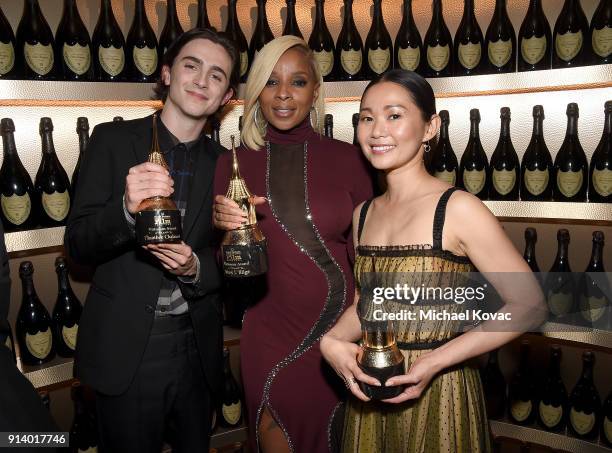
(150,336)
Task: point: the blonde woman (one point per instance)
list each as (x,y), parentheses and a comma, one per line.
(311,185)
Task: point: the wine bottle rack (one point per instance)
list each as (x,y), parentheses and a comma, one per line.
(577,335)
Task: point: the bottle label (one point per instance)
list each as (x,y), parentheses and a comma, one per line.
(231,413)
(607,429)
(325,60)
(244,63)
(533,49)
(39,344)
(16,208)
(7,57)
(520,410)
(559,303)
(69,334)
(504,181)
(500,52)
(438,57)
(602,41)
(409,58)
(351,61)
(602,181)
(569,182)
(39,57)
(592,308)
(550,415)
(8,343)
(536,181)
(447,176)
(78,58)
(56,205)
(89,450)
(581,422)
(158,226)
(469,54)
(568,45)
(145,59)
(112,59)
(379,60)
(474,180)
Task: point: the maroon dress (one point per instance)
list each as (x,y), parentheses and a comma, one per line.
(312,184)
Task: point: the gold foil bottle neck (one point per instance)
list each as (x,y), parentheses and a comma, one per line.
(155,155)
(238,191)
(378,339)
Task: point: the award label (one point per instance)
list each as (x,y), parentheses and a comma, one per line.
(39,58)
(16,208)
(520,410)
(158,226)
(504,181)
(7,57)
(569,182)
(447,176)
(550,415)
(351,61)
(500,52)
(581,422)
(474,180)
(568,45)
(39,344)
(244,63)
(112,59)
(240,260)
(602,181)
(69,334)
(409,58)
(560,303)
(325,60)
(78,58)
(145,59)
(602,41)
(56,204)
(469,54)
(379,60)
(536,181)
(533,49)
(231,413)
(438,57)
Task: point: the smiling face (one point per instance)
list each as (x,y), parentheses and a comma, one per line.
(290,92)
(198,79)
(391,128)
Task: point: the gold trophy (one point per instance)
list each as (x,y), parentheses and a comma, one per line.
(158,220)
(243,249)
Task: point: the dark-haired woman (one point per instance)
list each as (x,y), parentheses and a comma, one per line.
(421,232)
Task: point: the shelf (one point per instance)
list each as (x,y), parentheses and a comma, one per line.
(552,212)
(34,239)
(579,335)
(228,436)
(557,442)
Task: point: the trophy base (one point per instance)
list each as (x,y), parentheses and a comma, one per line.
(382,374)
(158,226)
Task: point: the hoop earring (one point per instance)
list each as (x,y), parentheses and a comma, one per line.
(316,116)
(427,146)
(256,118)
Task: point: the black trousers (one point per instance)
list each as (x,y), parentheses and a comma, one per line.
(168,399)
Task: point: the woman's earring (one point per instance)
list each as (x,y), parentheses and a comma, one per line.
(316,116)
(427,146)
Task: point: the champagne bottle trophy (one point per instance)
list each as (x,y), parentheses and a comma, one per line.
(243,249)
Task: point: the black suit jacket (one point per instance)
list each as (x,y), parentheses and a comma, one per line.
(119,310)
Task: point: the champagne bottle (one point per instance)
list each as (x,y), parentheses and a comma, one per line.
(585,404)
(215,129)
(504,170)
(172,28)
(606,422)
(408,47)
(501,41)
(17,194)
(234,32)
(262,34)
(601,33)
(570,35)
(231,403)
(521,391)
(328,125)
(35,42)
(33,327)
(535,39)
(378,45)
(108,46)
(600,170)
(83,432)
(444,163)
(468,43)
(552,409)
(66,313)
(6,338)
(83,133)
(118,118)
(52,184)
(531,237)
(594,304)
(291,25)
(570,167)
(45,399)
(494,386)
(536,166)
(9,68)
(73,45)
(142,47)
(322,44)
(349,47)
(560,287)
(438,45)
(474,165)
(202,20)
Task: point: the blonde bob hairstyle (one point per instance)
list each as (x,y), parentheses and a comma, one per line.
(252,132)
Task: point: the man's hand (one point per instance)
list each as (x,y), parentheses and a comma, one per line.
(145,181)
(178,259)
